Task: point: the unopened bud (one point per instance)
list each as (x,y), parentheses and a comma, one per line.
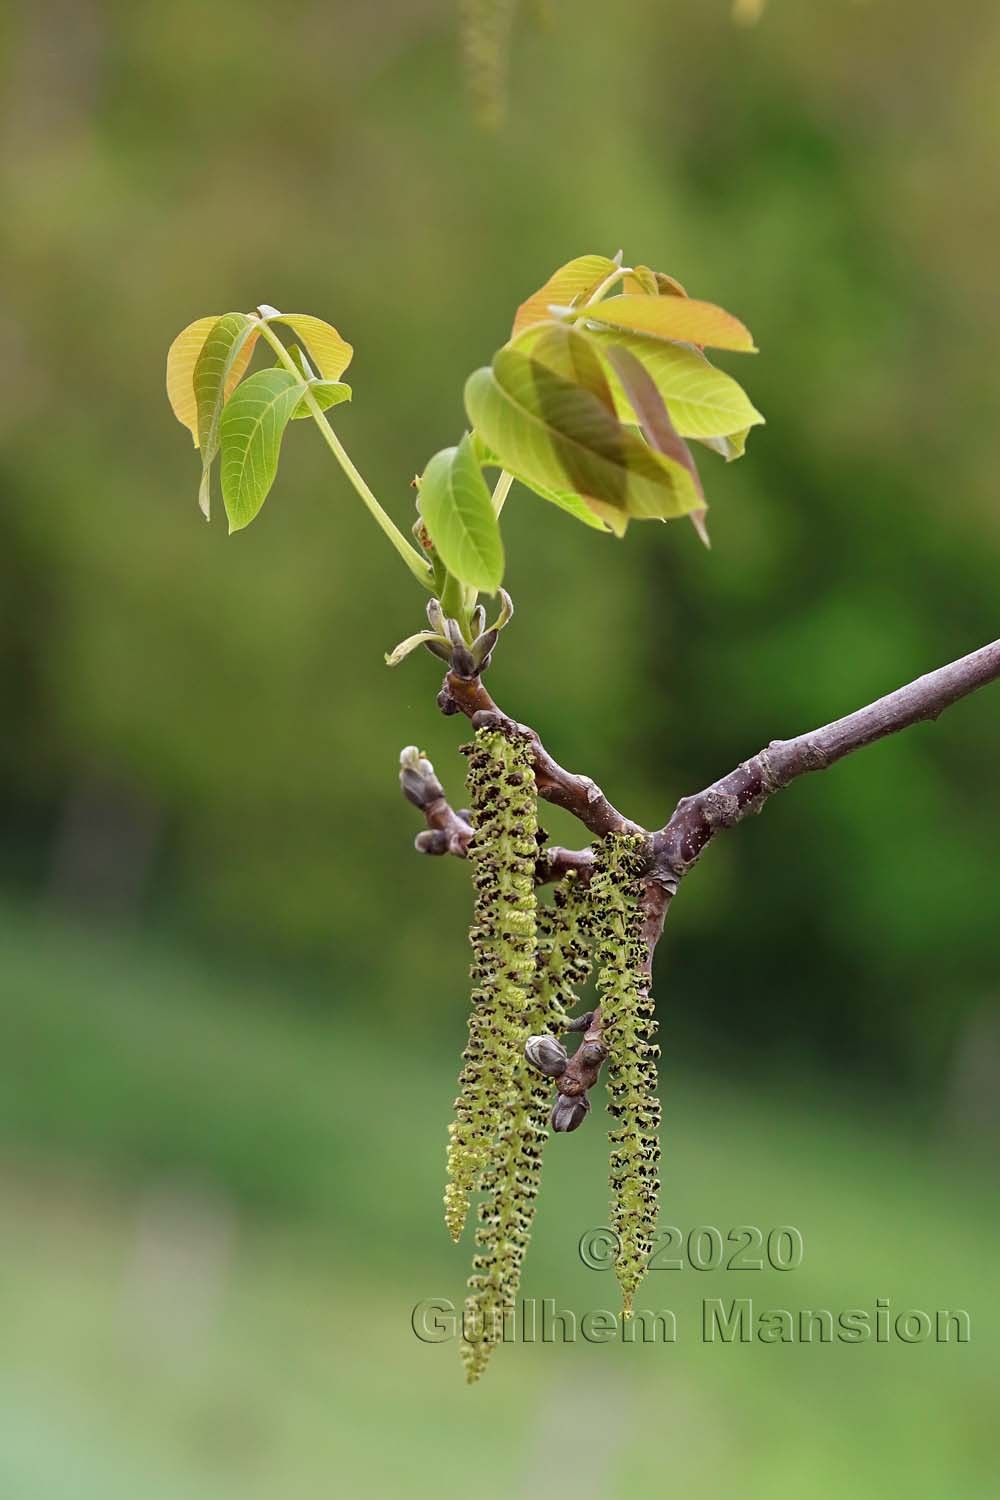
(569,1113)
(483,645)
(463,663)
(431,841)
(547,1054)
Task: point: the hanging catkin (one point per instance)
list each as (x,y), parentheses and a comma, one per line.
(629,1029)
(503,851)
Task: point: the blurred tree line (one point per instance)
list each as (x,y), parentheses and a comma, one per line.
(201,731)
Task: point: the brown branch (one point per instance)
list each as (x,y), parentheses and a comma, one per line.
(579,795)
(695,822)
(449,832)
(732,798)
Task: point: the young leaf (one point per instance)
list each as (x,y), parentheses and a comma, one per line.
(574,505)
(458,513)
(182,356)
(703,401)
(561,436)
(253,423)
(400,652)
(569,353)
(222,361)
(327,393)
(680,318)
(654,421)
(330,353)
(579,278)
(731,445)
(652,283)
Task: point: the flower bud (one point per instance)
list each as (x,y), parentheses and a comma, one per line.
(569,1113)
(547,1054)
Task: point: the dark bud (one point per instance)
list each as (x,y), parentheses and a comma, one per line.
(486,718)
(580,1023)
(569,1114)
(483,644)
(463,663)
(446,703)
(440,650)
(546,1054)
(593,1053)
(431,841)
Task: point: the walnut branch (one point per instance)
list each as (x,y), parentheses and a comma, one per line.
(579,795)
(449,832)
(696,820)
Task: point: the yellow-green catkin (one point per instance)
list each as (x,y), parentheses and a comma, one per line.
(512,1180)
(486,33)
(629,1029)
(503,852)
(563,954)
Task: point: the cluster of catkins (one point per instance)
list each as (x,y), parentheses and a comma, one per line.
(528,964)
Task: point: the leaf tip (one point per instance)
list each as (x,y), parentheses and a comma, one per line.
(697,519)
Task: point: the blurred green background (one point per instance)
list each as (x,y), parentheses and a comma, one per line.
(232,999)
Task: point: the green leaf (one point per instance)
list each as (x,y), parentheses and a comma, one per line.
(578,279)
(655,424)
(327,393)
(458,513)
(679,318)
(731,445)
(222,361)
(574,505)
(562,436)
(182,356)
(330,353)
(253,423)
(652,283)
(703,401)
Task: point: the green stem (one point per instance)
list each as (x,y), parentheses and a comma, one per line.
(618,274)
(501,490)
(411,557)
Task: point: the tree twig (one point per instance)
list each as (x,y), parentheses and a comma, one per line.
(579,795)
(696,820)
(450,832)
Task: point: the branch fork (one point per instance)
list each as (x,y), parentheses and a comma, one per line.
(676,847)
